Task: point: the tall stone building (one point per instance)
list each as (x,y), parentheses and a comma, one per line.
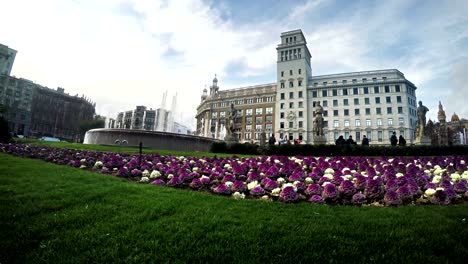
(374,103)
(7,58)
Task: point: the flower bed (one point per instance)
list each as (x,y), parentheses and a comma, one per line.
(339,180)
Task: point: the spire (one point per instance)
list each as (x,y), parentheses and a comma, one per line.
(441,114)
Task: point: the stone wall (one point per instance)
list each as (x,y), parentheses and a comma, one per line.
(150,139)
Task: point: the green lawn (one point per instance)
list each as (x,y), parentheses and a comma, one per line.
(55,214)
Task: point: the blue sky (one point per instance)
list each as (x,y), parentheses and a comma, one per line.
(123,53)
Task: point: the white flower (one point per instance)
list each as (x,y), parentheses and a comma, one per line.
(238,195)
(455,176)
(440,189)
(308,180)
(329,171)
(83,167)
(195,169)
(375,177)
(390,160)
(465,176)
(145,173)
(159,164)
(280,180)
(98,164)
(328,175)
(83,161)
(155,174)
(430,192)
(170,176)
(289,184)
(262,174)
(192,162)
(462,161)
(265,198)
(275,192)
(437,179)
(325,183)
(345,169)
(348,177)
(427,172)
(398,175)
(226,166)
(277,161)
(204,177)
(115,169)
(228,184)
(252,185)
(144,179)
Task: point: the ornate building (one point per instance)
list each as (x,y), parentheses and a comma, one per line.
(446,133)
(372,103)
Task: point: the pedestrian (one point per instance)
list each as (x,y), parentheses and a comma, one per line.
(365,141)
(272,140)
(350,141)
(340,141)
(393,140)
(401,141)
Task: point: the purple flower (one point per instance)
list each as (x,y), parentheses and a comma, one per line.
(174,182)
(404,193)
(238,186)
(123,172)
(359,199)
(316,199)
(300,186)
(347,188)
(460,187)
(295,177)
(445,184)
(271,184)
(136,172)
(451,194)
(430,185)
(373,189)
(360,182)
(157,182)
(104,170)
(257,191)
(391,184)
(205,180)
(330,193)
(222,189)
(252,176)
(392,198)
(337,180)
(288,195)
(196,184)
(228,177)
(440,197)
(313,189)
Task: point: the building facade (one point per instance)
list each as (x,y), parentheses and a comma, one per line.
(371,103)
(255,107)
(7,58)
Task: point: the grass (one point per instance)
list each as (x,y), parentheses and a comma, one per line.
(55,214)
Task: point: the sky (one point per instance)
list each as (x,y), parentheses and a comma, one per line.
(123,53)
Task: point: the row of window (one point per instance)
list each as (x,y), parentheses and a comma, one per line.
(374,79)
(299,71)
(300,124)
(248,112)
(357,101)
(367,111)
(291,84)
(300,104)
(268,127)
(266,99)
(291,54)
(357,91)
(357,122)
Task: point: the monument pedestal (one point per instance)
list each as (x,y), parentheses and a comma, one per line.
(424,140)
(319,140)
(230,139)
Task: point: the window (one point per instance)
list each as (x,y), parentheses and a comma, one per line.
(299,124)
(282,85)
(258,111)
(357,122)
(324,93)
(345,91)
(291,84)
(299,94)
(324,83)
(248,120)
(387,88)
(291,95)
(258,127)
(258,119)
(325,113)
(291,124)
(346,123)
(367,111)
(335,82)
(356,111)
(346,112)
(355,90)
(390,121)
(269,118)
(290,72)
(378,111)
(389,110)
(400,110)
(376,89)
(356,101)
(335,135)
(300,113)
(397,88)
(269,110)
(377,100)
(366,101)
(299,71)
(300,105)
(345,102)
(335,112)
(369,134)
(335,102)
(248,112)
(401,121)
(336,123)
(282,106)
(358,135)
(346,134)
(282,73)
(335,92)
(379,136)
(268,127)
(291,105)
(379,121)
(368,122)
(314,94)
(299,83)
(388,99)
(398,99)
(281,124)
(248,127)
(365,90)
(325,103)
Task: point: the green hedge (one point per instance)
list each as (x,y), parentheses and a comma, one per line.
(333,150)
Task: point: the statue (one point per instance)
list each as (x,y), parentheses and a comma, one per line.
(422,110)
(318,121)
(231,120)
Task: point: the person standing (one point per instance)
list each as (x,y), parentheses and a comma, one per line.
(272,140)
(401,141)
(340,141)
(393,140)
(365,141)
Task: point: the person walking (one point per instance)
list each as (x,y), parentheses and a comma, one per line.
(272,140)
(340,141)
(393,140)
(365,141)
(401,141)
(350,141)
